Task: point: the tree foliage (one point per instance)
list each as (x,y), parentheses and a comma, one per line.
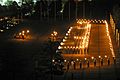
(116,14)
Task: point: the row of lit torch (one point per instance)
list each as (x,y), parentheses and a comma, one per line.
(83,44)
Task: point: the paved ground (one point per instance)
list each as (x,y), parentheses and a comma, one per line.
(99,45)
(17,57)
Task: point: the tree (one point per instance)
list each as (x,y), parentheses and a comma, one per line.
(116,14)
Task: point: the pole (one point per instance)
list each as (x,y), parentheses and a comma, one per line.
(76,9)
(83,9)
(90,10)
(118,39)
(41,12)
(55,10)
(48,10)
(69,10)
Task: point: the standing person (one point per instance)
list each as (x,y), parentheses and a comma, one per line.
(74,65)
(68,64)
(101,62)
(108,61)
(80,64)
(94,62)
(88,64)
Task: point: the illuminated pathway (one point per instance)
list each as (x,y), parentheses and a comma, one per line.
(88,41)
(88,52)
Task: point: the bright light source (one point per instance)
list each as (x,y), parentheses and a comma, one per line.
(1,30)
(65,60)
(64,40)
(19,33)
(92,57)
(77,59)
(59,47)
(105,56)
(28,31)
(85,58)
(53,60)
(51,34)
(23,31)
(99,56)
(7,27)
(66,34)
(61,43)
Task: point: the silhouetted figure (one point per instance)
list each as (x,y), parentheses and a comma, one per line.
(114,60)
(80,65)
(101,62)
(74,65)
(88,64)
(95,63)
(61,67)
(68,66)
(108,62)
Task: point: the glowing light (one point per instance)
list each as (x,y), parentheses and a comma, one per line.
(61,43)
(64,40)
(65,47)
(59,47)
(99,56)
(65,60)
(110,42)
(85,59)
(53,60)
(66,34)
(92,57)
(28,31)
(66,37)
(55,33)
(20,33)
(23,32)
(1,30)
(77,59)
(105,56)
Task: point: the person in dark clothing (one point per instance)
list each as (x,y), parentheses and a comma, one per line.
(74,65)
(80,64)
(68,64)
